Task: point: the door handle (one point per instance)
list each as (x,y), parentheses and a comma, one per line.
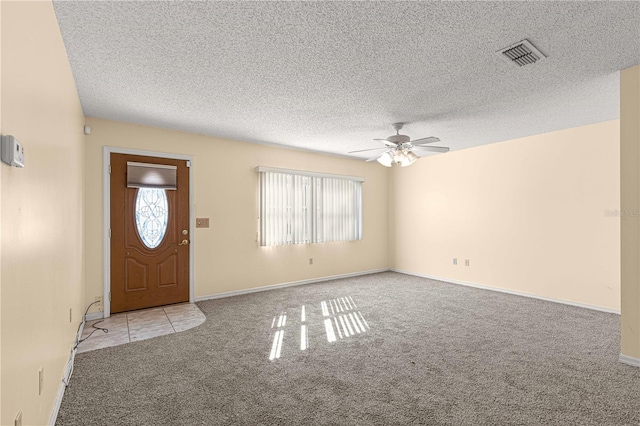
(184,243)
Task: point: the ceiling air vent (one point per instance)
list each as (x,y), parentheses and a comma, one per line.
(521,53)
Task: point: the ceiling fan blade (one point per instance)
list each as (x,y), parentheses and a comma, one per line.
(430,139)
(432,148)
(387,142)
(363,150)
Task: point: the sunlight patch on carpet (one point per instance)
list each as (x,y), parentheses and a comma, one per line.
(340,318)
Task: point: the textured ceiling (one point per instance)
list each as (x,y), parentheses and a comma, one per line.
(331,76)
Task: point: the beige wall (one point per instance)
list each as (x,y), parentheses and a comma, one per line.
(42,204)
(630,193)
(0,217)
(228,257)
(529,214)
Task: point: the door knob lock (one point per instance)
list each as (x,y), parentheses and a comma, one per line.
(184,243)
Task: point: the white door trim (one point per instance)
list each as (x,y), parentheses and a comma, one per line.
(106,221)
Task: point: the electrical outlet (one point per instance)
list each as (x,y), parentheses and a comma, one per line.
(99,304)
(455,260)
(466,262)
(18,420)
(40,380)
(311,261)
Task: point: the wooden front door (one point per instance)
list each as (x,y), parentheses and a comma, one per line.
(149,238)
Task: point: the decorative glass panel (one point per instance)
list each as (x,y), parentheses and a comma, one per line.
(152,215)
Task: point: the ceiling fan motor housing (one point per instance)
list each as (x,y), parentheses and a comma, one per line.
(399,139)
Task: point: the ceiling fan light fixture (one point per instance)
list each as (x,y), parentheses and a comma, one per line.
(409,159)
(386,159)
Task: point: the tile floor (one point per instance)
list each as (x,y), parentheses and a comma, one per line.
(139,325)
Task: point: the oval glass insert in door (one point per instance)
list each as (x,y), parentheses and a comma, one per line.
(152,214)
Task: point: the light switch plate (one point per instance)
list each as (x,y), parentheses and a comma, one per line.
(202,222)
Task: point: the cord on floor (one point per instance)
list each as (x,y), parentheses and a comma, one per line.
(67,379)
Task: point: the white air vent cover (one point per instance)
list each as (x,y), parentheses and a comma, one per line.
(521,53)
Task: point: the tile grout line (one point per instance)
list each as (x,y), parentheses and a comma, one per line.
(128,330)
(169,319)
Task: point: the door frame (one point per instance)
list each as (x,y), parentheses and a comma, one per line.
(106,219)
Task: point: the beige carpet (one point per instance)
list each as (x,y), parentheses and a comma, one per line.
(426,352)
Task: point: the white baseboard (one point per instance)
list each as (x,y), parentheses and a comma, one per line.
(626,359)
(56,404)
(94,316)
(516,293)
(289,284)
(65,378)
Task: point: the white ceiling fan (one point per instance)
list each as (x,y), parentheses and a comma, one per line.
(400,149)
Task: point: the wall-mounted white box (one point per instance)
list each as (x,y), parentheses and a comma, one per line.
(12,151)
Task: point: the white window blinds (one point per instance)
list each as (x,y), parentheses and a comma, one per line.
(303,207)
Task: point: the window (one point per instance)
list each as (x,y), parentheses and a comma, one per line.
(303,207)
